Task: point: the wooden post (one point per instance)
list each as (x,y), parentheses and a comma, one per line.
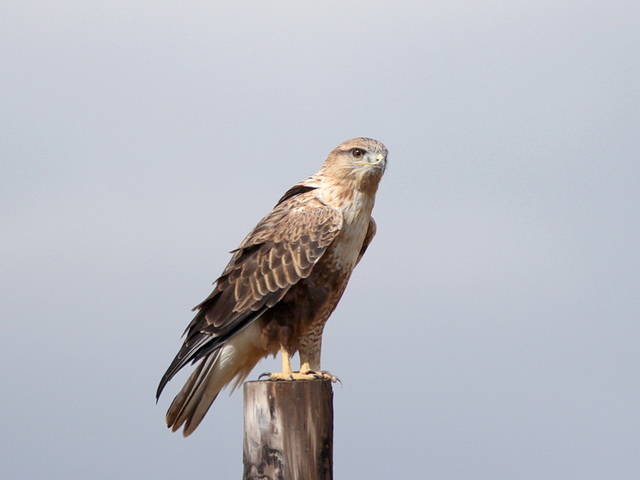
(288,430)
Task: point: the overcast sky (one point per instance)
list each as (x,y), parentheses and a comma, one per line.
(491,332)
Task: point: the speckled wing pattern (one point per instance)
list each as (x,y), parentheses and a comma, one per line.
(281,250)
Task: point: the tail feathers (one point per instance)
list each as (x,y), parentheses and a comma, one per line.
(191,394)
(234,360)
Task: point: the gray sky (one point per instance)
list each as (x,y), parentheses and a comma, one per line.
(491,331)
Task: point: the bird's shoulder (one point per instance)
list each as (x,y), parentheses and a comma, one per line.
(299,215)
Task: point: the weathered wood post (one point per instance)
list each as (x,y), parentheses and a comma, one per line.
(288,430)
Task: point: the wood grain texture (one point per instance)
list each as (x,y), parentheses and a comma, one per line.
(288,430)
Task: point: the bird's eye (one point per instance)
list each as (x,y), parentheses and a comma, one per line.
(357,153)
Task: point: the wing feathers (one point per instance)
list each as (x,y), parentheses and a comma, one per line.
(281,250)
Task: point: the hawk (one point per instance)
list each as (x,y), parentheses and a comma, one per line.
(282,283)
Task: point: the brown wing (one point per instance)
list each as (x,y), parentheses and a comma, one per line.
(279,252)
(371,232)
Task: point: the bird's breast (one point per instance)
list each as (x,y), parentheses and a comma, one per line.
(345,249)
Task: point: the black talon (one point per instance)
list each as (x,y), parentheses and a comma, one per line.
(265,374)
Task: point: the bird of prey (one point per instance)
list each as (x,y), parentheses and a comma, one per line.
(282,282)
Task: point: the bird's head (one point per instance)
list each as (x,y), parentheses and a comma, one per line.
(359,159)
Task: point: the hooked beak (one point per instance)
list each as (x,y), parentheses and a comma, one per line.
(378,158)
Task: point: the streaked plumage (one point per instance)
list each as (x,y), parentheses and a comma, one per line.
(283,281)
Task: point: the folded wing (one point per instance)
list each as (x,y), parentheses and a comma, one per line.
(281,250)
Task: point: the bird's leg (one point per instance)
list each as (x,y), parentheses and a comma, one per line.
(310,349)
(286,361)
(286,373)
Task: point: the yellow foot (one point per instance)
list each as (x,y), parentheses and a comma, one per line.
(293,376)
(305,375)
(322,374)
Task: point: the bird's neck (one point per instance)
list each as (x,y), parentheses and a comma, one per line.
(347,193)
(345,182)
